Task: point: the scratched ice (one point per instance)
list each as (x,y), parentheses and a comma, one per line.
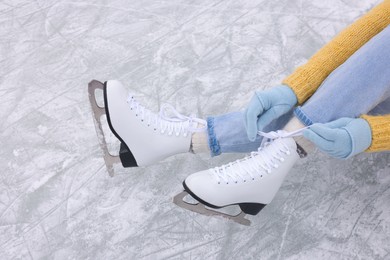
(56,198)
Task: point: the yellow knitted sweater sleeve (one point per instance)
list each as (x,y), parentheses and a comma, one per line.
(380,130)
(305,80)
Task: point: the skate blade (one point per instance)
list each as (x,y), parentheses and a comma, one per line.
(202,209)
(99,111)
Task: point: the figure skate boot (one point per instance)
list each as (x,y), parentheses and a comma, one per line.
(251,183)
(145,137)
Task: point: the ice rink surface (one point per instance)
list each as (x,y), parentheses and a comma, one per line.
(205,57)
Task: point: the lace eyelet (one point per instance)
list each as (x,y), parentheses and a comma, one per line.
(261,176)
(253,179)
(227,183)
(219,182)
(244,180)
(236,182)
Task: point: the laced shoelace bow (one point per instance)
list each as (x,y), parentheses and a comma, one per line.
(177,123)
(266,159)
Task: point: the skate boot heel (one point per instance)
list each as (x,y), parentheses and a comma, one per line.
(127,158)
(251,208)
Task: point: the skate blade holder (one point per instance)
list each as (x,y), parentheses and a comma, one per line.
(98,112)
(198,207)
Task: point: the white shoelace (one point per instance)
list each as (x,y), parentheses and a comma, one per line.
(269,136)
(178,123)
(257,163)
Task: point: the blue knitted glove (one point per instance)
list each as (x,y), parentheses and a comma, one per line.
(341,138)
(267,105)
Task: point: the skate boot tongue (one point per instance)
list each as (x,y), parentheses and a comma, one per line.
(168,120)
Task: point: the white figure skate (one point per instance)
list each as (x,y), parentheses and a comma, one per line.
(145,137)
(251,183)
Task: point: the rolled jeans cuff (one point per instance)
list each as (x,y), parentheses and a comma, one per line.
(298,112)
(215,149)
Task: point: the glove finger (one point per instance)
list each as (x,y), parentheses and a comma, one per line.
(265,119)
(341,122)
(264,98)
(271,115)
(251,116)
(251,128)
(318,140)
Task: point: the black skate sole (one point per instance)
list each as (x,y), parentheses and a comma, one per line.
(125,154)
(247,208)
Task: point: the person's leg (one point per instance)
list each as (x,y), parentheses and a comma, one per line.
(353,89)
(227,133)
(381,109)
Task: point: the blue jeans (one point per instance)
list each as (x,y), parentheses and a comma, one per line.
(361,85)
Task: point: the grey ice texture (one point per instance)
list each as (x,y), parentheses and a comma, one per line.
(205,57)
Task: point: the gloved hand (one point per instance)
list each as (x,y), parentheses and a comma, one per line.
(341,138)
(266,106)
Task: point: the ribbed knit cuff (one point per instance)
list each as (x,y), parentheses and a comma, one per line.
(199,143)
(301,82)
(380,131)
